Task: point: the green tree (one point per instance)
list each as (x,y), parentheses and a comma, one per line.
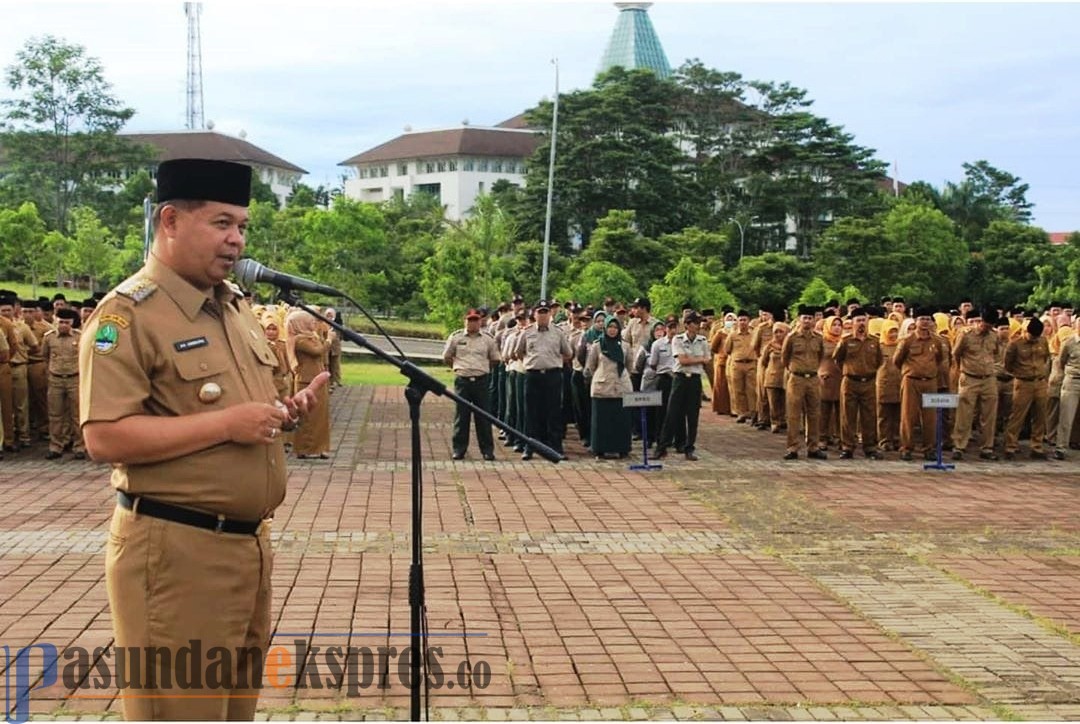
(817,293)
(714,250)
(600,279)
(1013,252)
(618,241)
(450,281)
(60,129)
(22,254)
(688,282)
(346,247)
(772,279)
(93,248)
(262,192)
(491,231)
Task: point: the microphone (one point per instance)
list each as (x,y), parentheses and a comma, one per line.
(250,272)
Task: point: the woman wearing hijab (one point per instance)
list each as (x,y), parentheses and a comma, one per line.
(775,377)
(306,351)
(591,337)
(830,375)
(282,373)
(1057,377)
(610,433)
(888,389)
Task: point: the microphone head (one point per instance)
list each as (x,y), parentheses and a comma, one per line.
(247,272)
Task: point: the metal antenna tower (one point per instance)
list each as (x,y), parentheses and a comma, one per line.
(195,119)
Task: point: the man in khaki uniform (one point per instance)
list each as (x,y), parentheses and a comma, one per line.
(977,353)
(23,343)
(760,340)
(177,392)
(858,355)
(61,353)
(7,386)
(1027,359)
(5,365)
(741,364)
(801,356)
(472,354)
(543,349)
(1069,361)
(922,359)
(36,372)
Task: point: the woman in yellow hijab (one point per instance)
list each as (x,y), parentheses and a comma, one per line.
(888,389)
(306,352)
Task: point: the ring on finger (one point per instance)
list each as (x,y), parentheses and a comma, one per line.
(273,432)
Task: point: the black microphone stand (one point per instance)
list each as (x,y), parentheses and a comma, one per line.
(420,383)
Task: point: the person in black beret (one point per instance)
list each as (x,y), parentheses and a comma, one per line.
(1027,357)
(178,395)
(976,354)
(740,365)
(801,355)
(691,352)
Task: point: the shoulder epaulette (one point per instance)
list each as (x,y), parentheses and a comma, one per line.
(52,331)
(235,289)
(137,288)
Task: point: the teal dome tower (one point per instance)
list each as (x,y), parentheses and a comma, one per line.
(634,43)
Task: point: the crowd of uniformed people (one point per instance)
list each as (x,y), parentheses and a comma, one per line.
(849,377)
(39,371)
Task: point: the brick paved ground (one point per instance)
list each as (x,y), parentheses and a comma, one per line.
(737,587)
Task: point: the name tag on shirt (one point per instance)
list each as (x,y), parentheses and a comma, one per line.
(186,345)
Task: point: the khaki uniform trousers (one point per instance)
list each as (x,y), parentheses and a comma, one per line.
(984,392)
(38,377)
(7,405)
(775,396)
(170,584)
(20,389)
(858,403)
(64,414)
(803,398)
(912,413)
(742,382)
(764,403)
(1027,395)
(1070,402)
(888,425)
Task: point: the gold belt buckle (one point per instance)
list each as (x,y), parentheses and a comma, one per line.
(264,526)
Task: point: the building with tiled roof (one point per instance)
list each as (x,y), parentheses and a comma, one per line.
(281,175)
(1058,238)
(455,165)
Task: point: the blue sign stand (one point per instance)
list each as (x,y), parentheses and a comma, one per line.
(940,464)
(645,464)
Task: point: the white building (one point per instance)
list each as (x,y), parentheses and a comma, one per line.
(454,165)
(273,170)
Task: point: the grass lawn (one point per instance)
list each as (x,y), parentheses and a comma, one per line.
(398,327)
(26,291)
(376,372)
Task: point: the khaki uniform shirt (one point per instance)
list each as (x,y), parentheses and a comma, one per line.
(921,357)
(977,353)
(7,329)
(150,347)
(25,341)
(739,346)
(542,349)
(471,355)
(40,329)
(5,349)
(1069,359)
(761,338)
(682,345)
(61,353)
(1028,359)
(858,357)
(802,352)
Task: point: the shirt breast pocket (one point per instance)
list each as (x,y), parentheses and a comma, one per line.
(203,377)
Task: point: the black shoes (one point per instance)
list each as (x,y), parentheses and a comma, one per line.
(793,455)
(691,456)
(527,455)
(458,455)
(1059,455)
(80,456)
(958,455)
(489,456)
(873,455)
(988,455)
(846,455)
(660,453)
(53,455)
(906,456)
(818,455)
(1037,455)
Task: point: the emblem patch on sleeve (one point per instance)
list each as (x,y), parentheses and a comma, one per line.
(106,339)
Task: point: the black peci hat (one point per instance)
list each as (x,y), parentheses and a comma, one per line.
(200,179)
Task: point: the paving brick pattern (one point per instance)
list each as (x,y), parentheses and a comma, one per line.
(736,587)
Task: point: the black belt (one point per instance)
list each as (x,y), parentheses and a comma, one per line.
(807,375)
(57,374)
(17,364)
(860,379)
(921,379)
(1031,379)
(473,378)
(975,377)
(176,514)
(746,360)
(544,372)
(1004,378)
(35,361)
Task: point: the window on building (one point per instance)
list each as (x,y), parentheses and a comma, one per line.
(482,165)
(403,169)
(384,171)
(442,166)
(468,165)
(480,188)
(429,167)
(451,165)
(434,190)
(497,166)
(361,173)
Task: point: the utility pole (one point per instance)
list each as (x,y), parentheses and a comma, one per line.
(551,185)
(195,118)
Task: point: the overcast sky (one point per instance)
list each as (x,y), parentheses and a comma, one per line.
(929,86)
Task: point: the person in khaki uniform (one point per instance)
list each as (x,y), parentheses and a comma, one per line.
(7,384)
(1069,363)
(334,351)
(761,338)
(177,393)
(888,388)
(858,356)
(5,366)
(741,368)
(306,351)
(23,344)
(977,353)
(1027,359)
(923,360)
(471,354)
(543,349)
(774,376)
(801,355)
(61,351)
(36,372)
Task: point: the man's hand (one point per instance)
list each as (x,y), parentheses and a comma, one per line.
(306,399)
(254,423)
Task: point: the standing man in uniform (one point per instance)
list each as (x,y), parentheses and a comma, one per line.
(61,353)
(23,344)
(691,352)
(801,355)
(543,348)
(922,359)
(36,373)
(741,366)
(471,354)
(858,356)
(1069,363)
(177,393)
(977,354)
(759,342)
(1027,359)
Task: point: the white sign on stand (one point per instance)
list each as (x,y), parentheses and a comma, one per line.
(643,399)
(940,400)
